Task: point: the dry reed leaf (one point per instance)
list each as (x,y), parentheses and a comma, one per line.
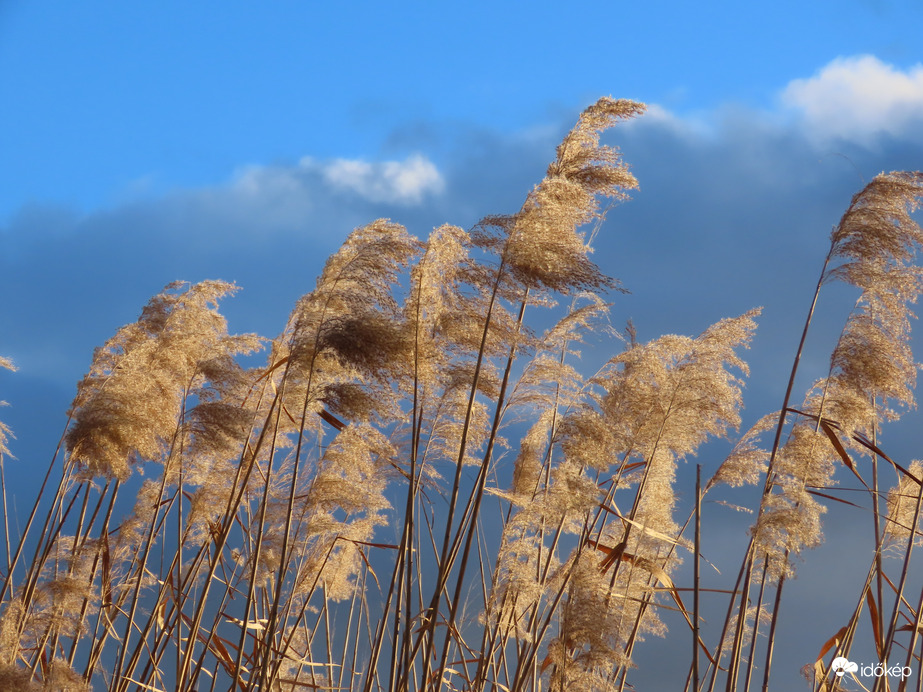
(820,670)
(618,553)
(642,527)
(368,566)
(107,569)
(830,643)
(817,493)
(730,505)
(841,450)
(863,441)
(258,625)
(876,623)
(217,645)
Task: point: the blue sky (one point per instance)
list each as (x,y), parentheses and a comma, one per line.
(104,100)
(141,143)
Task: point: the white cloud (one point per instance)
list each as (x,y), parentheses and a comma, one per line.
(404,182)
(858,98)
(401,182)
(283,196)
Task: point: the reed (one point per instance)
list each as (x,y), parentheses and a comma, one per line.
(420,490)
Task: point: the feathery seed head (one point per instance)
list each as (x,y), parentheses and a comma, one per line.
(5,432)
(877,226)
(746,462)
(902,505)
(545,248)
(128,407)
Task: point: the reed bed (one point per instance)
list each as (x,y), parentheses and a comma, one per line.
(419,490)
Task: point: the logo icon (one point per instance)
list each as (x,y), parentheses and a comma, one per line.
(841,666)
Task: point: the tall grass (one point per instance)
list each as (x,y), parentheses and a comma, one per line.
(420,491)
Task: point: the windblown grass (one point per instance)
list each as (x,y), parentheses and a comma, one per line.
(341,517)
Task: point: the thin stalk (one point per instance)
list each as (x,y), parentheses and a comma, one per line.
(478,492)
(104,587)
(6,519)
(8,580)
(892,627)
(446,559)
(756,627)
(876,520)
(719,652)
(770,476)
(915,629)
(146,550)
(234,502)
(696,576)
